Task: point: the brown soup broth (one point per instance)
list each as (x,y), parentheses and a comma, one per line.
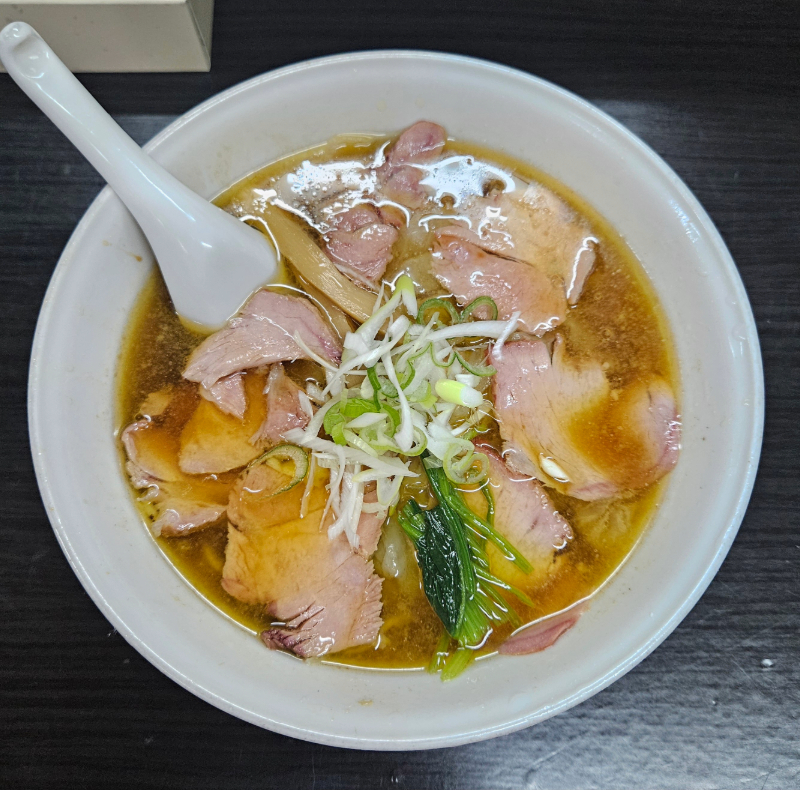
(618,320)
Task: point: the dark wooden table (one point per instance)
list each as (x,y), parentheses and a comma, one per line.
(712,85)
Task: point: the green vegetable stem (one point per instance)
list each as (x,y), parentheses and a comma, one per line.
(450,542)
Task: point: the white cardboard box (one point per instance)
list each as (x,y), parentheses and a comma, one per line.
(111,35)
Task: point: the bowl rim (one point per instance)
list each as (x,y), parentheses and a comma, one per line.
(736,509)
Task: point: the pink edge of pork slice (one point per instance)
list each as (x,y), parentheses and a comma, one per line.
(228,395)
(261,334)
(149,464)
(655,411)
(333,601)
(284,409)
(536,396)
(346,610)
(361,244)
(400,179)
(536,226)
(369,526)
(539,635)
(527,518)
(524,514)
(467,271)
(583,266)
(350,614)
(421,142)
(176,515)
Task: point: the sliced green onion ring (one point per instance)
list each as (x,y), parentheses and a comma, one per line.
(280,454)
(459,463)
(409,377)
(438,304)
(420,445)
(476,370)
(372,375)
(442,363)
(481,301)
(384,387)
(394,416)
(420,353)
(354,440)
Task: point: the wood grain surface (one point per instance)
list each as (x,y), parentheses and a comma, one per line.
(712,86)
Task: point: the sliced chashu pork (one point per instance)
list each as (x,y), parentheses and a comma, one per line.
(399,177)
(287,408)
(526,517)
(228,394)
(524,513)
(262,333)
(361,243)
(535,637)
(327,594)
(182,504)
(534,225)
(212,441)
(323,194)
(467,272)
(562,423)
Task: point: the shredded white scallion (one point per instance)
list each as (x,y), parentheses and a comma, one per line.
(310,475)
(313,354)
(512,325)
(391,398)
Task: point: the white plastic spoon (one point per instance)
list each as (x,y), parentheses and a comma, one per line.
(211,261)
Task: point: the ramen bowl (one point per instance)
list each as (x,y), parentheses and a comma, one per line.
(107,261)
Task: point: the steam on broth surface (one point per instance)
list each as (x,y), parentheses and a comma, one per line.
(453,477)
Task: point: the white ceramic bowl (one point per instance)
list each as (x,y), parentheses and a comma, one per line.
(95,285)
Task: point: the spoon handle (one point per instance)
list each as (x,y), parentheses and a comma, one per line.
(56,91)
(189,235)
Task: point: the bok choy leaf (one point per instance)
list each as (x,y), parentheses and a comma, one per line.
(461,589)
